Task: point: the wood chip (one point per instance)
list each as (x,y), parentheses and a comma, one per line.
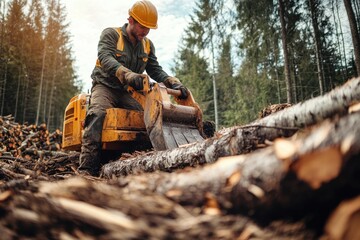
(284,149)
(256,191)
(96,214)
(354,108)
(173,193)
(233,179)
(5,195)
(248,232)
(347,143)
(212,205)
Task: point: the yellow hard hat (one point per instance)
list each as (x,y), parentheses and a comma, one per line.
(145,13)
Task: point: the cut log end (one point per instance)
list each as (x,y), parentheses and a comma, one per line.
(319,167)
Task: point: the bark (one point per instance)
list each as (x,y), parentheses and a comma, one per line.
(337,27)
(240,140)
(354,33)
(285,52)
(41,85)
(318,52)
(294,178)
(312,111)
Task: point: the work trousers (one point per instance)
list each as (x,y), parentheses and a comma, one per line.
(102,98)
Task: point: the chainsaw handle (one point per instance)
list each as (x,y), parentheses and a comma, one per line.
(173,92)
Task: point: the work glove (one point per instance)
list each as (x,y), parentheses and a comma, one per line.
(135,80)
(174,83)
(184,93)
(120,74)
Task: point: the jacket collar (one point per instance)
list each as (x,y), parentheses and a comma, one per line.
(123,30)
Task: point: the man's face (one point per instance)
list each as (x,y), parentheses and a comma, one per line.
(138,31)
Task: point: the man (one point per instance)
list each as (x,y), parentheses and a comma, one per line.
(123,55)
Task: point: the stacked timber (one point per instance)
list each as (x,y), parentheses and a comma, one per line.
(22,140)
(32,152)
(292,174)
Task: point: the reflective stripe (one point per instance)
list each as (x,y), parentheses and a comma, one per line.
(120,43)
(120,46)
(146,44)
(98,64)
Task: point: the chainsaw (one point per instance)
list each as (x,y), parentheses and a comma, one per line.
(167,121)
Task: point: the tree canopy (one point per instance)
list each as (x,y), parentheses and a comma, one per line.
(266,52)
(37,76)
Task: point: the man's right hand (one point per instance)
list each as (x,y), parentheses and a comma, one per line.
(135,80)
(174,83)
(183,90)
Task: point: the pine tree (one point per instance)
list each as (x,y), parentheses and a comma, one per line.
(193,72)
(36,51)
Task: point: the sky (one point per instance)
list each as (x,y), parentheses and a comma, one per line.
(88,18)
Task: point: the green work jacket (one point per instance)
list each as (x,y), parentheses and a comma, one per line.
(132,57)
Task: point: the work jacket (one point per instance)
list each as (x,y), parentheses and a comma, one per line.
(132,57)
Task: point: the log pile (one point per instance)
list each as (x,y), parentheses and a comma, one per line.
(293,174)
(31,152)
(26,140)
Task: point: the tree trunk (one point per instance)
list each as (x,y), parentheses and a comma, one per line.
(240,140)
(354,33)
(337,25)
(318,51)
(52,87)
(25,96)
(18,93)
(41,86)
(295,177)
(343,49)
(285,51)
(4,87)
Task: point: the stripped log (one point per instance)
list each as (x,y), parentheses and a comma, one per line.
(308,175)
(240,140)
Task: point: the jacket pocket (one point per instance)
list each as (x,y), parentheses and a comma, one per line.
(122,58)
(142,61)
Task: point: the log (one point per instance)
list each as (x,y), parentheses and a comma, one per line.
(240,140)
(312,111)
(17,140)
(291,178)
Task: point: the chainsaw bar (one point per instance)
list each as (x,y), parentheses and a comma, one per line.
(176,135)
(171,124)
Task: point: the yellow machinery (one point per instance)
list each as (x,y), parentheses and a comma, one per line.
(164,124)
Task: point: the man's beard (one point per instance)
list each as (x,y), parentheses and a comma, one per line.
(137,37)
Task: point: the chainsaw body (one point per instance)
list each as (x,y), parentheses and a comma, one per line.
(166,122)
